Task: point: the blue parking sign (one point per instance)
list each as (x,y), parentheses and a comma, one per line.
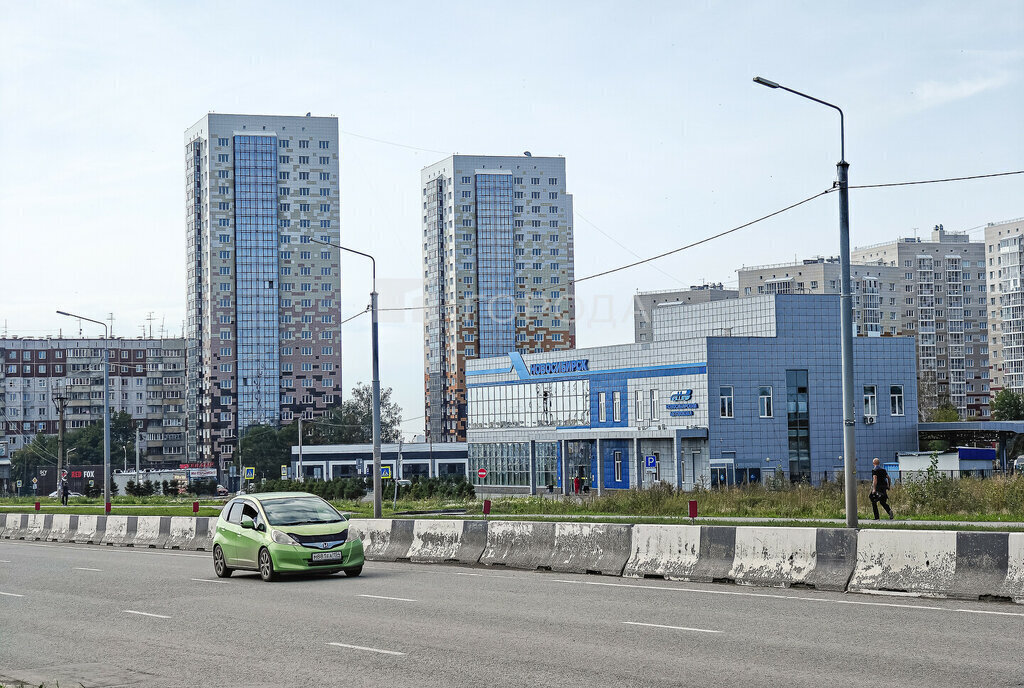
(650,461)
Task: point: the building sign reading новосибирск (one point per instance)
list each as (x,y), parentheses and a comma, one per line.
(560,367)
(681,404)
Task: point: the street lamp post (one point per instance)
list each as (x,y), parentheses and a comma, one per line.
(845,309)
(375,373)
(106,406)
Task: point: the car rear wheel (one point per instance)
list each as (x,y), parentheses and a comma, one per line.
(266,566)
(354,572)
(220,567)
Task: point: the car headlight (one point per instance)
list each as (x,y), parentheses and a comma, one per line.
(282,538)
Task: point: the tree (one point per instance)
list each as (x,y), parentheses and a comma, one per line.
(1007,405)
(262,449)
(352,422)
(943,413)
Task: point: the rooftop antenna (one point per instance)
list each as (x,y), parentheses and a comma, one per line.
(163,328)
(149,318)
(110,317)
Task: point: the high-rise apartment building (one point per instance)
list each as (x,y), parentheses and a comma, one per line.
(147,381)
(645,303)
(1004,265)
(263,299)
(932,290)
(944,292)
(497,271)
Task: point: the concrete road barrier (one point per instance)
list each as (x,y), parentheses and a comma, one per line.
(15,526)
(63,527)
(206,528)
(90,529)
(1013,586)
(669,552)
(153,531)
(835,559)
(3,524)
(181,532)
(776,557)
(914,561)
(120,531)
(591,548)
(717,553)
(38,526)
(519,544)
(383,539)
(442,541)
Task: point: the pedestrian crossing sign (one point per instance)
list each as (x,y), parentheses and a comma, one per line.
(385,472)
(250,472)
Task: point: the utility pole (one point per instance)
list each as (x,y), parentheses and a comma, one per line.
(301,475)
(60,400)
(137,454)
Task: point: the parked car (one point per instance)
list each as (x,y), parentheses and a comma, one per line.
(284,532)
(221,491)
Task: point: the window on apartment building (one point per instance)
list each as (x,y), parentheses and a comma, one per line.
(725,399)
(896,400)
(617,462)
(764,402)
(870,401)
(616,406)
(602,411)
(654,404)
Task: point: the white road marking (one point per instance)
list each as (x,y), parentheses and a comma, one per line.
(210,580)
(674,628)
(10,594)
(785,597)
(82,568)
(156,616)
(5,561)
(491,575)
(101,548)
(368,649)
(382,597)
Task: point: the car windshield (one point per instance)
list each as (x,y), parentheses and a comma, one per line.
(297,511)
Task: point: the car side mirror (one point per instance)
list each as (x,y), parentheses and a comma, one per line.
(247,523)
(261,527)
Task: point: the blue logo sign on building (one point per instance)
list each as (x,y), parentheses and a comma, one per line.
(557,367)
(681,404)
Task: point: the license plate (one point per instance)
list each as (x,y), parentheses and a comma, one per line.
(326,556)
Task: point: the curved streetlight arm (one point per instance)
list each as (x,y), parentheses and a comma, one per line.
(842,126)
(373,261)
(82,317)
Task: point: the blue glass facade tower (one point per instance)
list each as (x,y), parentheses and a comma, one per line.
(256,271)
(494,263)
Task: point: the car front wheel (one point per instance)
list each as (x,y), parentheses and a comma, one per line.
(354,572)
(220,567)
(266,566)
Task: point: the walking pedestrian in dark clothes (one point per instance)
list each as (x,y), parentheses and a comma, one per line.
(64,490)
(880,489)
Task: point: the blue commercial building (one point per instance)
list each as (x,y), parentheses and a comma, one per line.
(726,392)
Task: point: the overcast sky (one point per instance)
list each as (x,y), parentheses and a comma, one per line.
(666,138)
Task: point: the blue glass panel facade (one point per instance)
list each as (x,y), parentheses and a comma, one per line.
(256,274)
(495,278)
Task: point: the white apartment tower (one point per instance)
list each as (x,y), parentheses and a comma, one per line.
(497,271)
(1004,263)
(263,299)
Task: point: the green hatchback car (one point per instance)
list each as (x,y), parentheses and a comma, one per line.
(284,532)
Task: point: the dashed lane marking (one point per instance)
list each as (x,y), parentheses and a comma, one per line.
(382,597)
(368,649)
(10,594)
(674,628)
(83,568)
(155,616)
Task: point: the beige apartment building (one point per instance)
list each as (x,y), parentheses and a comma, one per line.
(1004,263)
(933,290)
(147,381)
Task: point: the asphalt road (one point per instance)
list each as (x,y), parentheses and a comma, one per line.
(106,616)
